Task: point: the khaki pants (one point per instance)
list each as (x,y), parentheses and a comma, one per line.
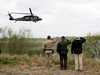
(48,58)
(78,58)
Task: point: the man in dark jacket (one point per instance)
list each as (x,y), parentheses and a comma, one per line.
(77,50)
(62,50)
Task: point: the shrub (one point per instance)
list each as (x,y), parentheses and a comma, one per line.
(13,42)
(92,45)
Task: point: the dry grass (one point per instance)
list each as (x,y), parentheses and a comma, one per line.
(35,66)
(92,65)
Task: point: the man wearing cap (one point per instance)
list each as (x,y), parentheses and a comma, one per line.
(76,49)
(62,51)
(47,49)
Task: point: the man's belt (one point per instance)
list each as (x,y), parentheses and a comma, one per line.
(49,49)
(64,50)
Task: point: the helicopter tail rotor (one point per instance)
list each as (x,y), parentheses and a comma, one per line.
(9,14)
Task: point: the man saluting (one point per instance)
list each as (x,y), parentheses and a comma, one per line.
(62,50)
(47,49)
(76,49)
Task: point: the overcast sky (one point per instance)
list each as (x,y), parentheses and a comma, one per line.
(66,17)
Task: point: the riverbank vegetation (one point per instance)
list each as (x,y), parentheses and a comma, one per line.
(20,48)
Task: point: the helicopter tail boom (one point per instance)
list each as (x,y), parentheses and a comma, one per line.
(11,18)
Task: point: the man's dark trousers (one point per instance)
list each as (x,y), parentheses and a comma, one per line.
(63,56)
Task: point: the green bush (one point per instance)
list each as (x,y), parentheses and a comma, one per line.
(3,39)
(11,62)
(36,51)
(92,45)
(13,42)
(19,43)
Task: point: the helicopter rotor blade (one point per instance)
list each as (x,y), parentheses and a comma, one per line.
(42,13)
(19,13)
(30,11)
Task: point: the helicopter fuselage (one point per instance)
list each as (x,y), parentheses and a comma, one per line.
(30,17)
(26,18)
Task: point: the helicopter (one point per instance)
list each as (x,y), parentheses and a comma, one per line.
(30,17)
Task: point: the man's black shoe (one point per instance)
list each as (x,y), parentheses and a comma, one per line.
(60,69)
(65,69)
